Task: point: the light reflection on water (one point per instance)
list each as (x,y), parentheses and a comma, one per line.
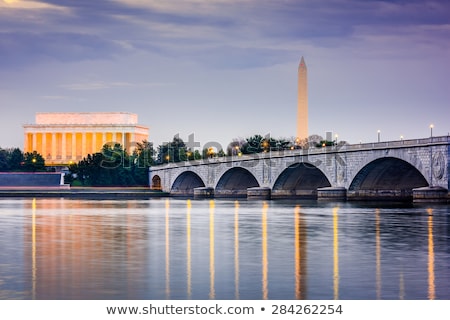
(222,249)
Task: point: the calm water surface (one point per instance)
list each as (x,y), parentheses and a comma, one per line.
(222,249)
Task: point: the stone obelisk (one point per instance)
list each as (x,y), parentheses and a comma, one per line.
(302,102)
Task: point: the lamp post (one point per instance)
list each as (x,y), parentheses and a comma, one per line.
(431,130)
(379,132)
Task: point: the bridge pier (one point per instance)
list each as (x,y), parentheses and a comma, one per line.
(431,194)
(380,195)
(203,193)
(332,193)
(259,193)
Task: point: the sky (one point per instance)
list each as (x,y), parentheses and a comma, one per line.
(227,69)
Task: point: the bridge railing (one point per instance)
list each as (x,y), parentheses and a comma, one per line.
(398,143)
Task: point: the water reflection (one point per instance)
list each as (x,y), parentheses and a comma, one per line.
(212,270)
(167,233)
(378,252)
(69,250)
(336,253)
(236,249)
(431,286)
(188,249)
(265,260)
(300,247)
(33,248)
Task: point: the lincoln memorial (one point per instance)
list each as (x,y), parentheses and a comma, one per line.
(64,138)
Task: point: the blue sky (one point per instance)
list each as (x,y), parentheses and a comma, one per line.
(225,69)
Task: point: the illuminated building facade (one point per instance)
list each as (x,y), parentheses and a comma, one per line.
(63,138)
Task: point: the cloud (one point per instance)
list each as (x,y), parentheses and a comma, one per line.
(30,5)
(220,33)
(24,48)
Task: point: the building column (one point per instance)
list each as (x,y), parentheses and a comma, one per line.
(44,145)
(132,141)
(94,142)
(63,146)
(83,144)
(104,139)
(34,143)
(74,146)
(53,152)
(114,138)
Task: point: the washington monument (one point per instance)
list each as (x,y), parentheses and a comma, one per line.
(302,102)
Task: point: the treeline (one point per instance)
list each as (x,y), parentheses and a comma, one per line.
(177,150)
(113,166)
(14,160)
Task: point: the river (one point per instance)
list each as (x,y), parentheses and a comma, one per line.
(170,248)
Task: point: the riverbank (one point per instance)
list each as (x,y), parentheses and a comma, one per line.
(83,192)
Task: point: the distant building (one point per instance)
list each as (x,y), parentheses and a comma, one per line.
(63,138)
(302,101)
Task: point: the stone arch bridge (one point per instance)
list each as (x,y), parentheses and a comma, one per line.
(399,170)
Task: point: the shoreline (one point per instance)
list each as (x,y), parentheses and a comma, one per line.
(83,192)
(110,193)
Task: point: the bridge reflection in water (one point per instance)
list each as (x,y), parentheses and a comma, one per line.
(185,249)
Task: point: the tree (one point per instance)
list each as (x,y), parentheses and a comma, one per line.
(143,158)
(33,161)
(4,163)
(113,166)
(253,144)
(256,144)
(234,147)
(174,151)
(144,154)
(16,159)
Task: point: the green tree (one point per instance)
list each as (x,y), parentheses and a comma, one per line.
(174,151)
(113,166)
(142,160)
(33,161)
(4,163)
(16,160)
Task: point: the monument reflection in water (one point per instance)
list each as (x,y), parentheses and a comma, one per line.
(189,249)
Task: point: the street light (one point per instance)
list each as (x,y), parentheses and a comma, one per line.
(431,130)
(378,135)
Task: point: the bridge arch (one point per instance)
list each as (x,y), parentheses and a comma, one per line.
(299,180)
(156,182)
(386,177)
(235,182)
(185,184)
